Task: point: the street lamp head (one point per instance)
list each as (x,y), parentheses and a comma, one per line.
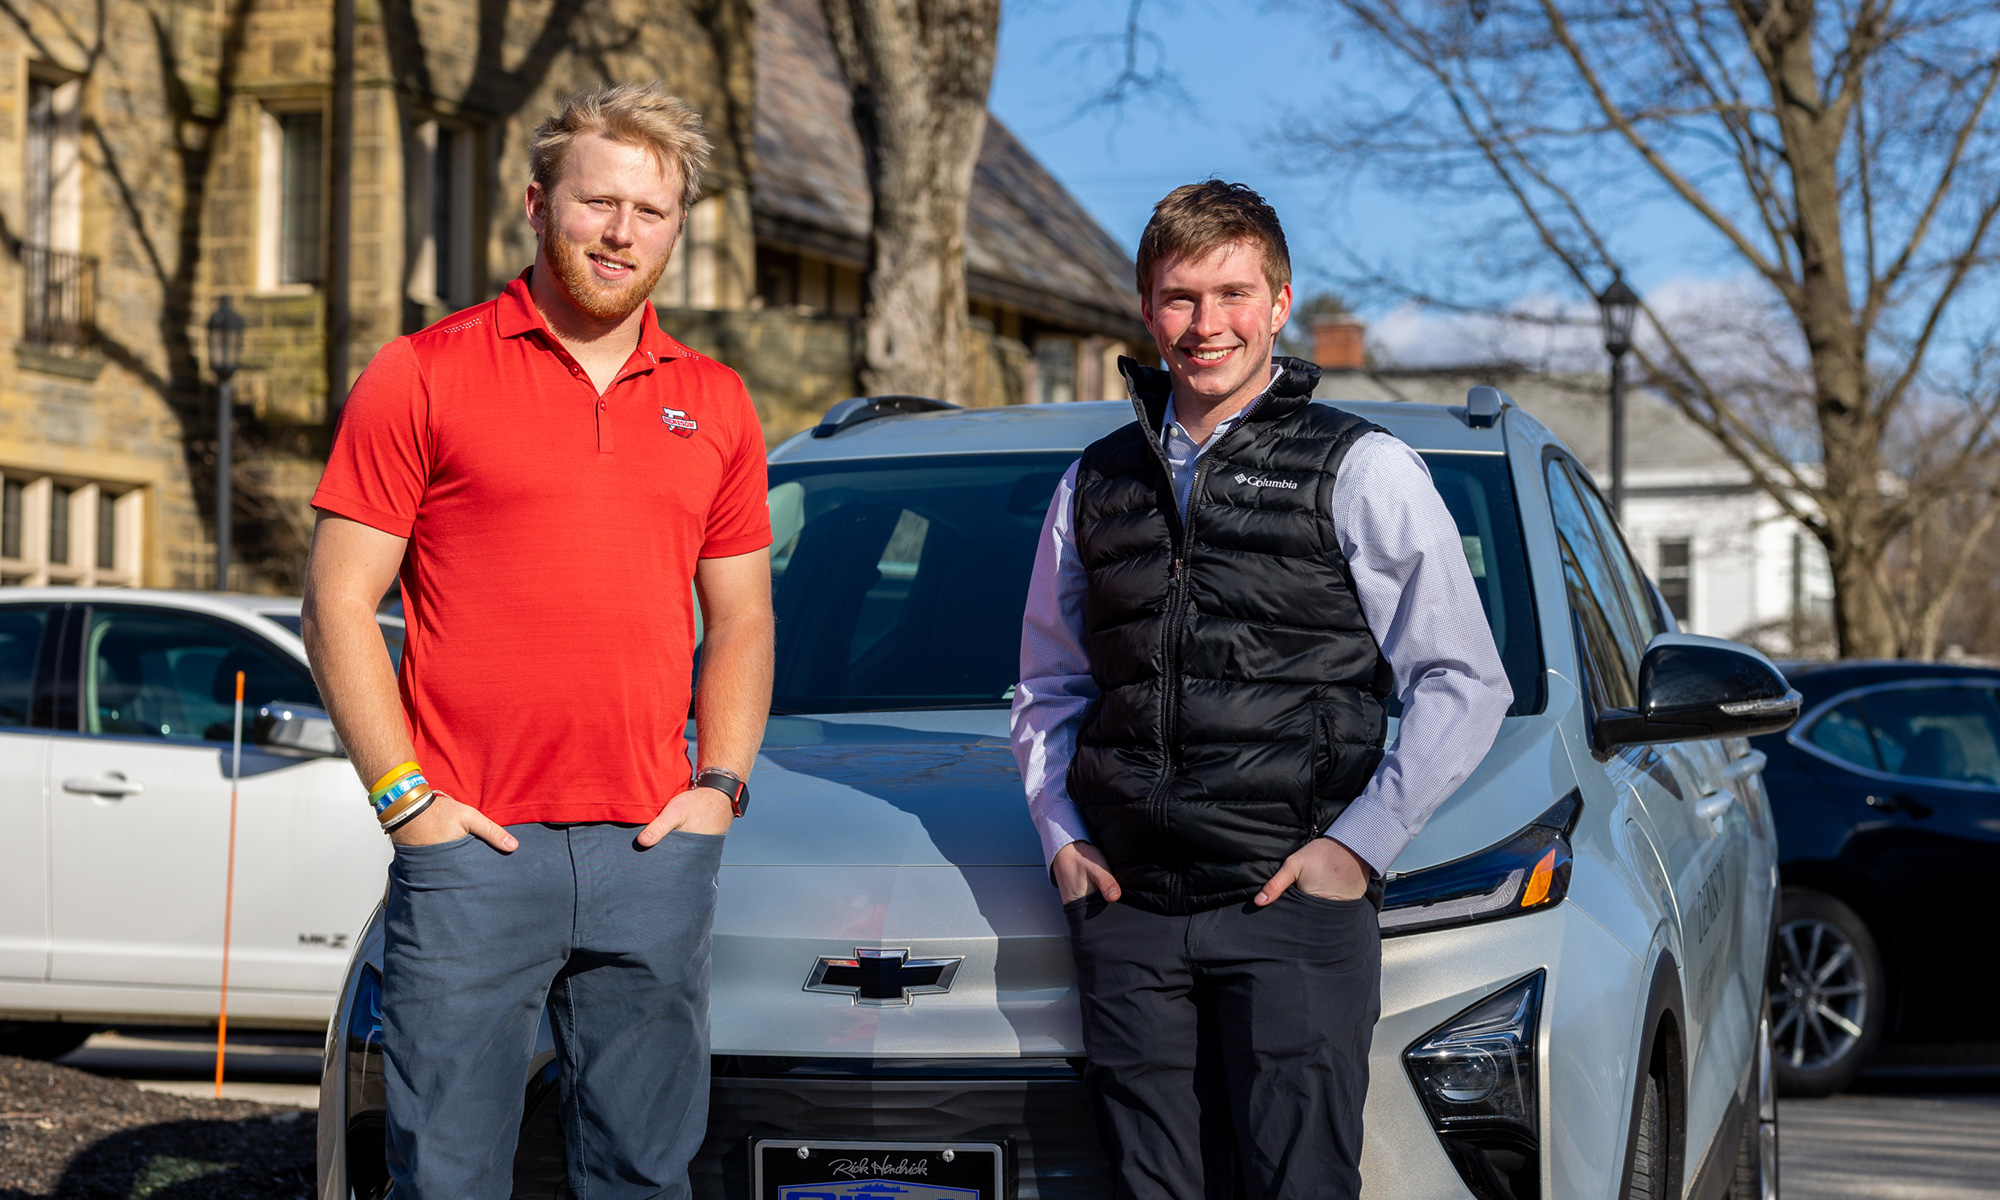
(225,339)
(1618,308)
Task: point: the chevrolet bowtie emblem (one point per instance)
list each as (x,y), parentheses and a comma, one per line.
(882,978)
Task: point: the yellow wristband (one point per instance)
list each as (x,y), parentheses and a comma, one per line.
(391,777)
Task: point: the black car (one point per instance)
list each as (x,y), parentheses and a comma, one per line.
(1887,796)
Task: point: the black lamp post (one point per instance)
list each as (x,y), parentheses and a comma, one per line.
(1618,308)
(225,352)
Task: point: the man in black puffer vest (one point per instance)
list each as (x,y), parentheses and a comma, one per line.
(1227,593)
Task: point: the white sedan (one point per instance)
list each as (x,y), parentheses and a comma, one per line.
(116,714)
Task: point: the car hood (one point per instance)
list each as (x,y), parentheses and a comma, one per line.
(873,789)
(943,789)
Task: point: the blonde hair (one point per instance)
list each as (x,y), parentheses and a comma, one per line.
(1197,219)
(633,114)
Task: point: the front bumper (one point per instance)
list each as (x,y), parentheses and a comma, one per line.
(1035,1106)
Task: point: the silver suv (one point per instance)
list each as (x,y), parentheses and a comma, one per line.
(1572,987)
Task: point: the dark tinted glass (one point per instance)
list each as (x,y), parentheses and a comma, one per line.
(1479,492)
(1947,733)
(165,675)
(1843,734)
(1632,585)
(899,584)
(20,639)
(1593,594)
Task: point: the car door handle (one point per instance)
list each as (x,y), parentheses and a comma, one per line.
(1743,768)
(1899,802)
(1713,804)
(101,785)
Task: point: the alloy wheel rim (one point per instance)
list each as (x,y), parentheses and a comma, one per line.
(1820,1006)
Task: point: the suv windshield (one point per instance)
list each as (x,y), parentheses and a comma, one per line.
(899,583)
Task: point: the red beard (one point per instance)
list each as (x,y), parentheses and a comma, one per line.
(605,301)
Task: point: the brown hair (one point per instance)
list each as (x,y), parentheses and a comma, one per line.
(1197,219)
(633,114)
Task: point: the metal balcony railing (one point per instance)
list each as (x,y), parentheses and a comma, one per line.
(61,299)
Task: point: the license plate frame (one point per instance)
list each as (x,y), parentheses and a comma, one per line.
(921,1170)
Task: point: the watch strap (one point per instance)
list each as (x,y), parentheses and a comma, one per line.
(730,784)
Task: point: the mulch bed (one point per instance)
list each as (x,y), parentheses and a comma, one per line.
(75,1136)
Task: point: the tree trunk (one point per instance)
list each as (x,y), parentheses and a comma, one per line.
(1850,437)
(919,71)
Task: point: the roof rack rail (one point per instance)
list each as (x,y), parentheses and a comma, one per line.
(1482,407)
(849,413)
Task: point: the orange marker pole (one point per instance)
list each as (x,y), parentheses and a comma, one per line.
(229,882)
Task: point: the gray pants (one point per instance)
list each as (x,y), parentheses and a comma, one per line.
(1230,1045)
(614,940)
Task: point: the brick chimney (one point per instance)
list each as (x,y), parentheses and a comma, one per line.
(1337,342)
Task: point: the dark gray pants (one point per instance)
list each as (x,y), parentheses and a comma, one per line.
(1231,1044)
(614,940)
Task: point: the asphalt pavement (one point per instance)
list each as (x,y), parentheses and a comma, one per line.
(1911,1137)
(1902,1137)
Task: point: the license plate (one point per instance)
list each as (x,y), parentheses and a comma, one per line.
(794,1169)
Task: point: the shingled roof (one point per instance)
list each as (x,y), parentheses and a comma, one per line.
(1029,244)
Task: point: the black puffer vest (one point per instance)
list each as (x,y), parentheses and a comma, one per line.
(1241,690)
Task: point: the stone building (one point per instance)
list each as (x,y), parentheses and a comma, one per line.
(158,155)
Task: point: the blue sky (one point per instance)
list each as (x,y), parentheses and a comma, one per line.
(1244,67)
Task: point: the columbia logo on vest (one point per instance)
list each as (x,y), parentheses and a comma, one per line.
(1290,485)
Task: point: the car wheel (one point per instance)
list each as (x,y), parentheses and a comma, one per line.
(1647,1179)
(1757,1153)
(1827,1004)
(41,1039)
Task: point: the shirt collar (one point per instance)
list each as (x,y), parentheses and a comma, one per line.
(1170,421)
(515,314)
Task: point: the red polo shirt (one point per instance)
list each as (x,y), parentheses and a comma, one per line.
(553,535)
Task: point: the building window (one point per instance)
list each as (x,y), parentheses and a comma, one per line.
(69,531)
(1055,369)
(291,184)
(442,214)
(59,502)
(58,298)
(1675,576)
(10,520)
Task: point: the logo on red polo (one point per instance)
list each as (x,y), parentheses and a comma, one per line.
(678,421)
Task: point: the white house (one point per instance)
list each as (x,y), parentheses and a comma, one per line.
(1727,559)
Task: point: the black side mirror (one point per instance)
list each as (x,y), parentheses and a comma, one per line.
(1700,687)
(299,730)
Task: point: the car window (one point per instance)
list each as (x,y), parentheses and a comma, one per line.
(392,634)
(1593,594)
(21,628)
(899,583)
(1946,733)
(151,673)
(1478,491)
(1843,733)
(1632,585)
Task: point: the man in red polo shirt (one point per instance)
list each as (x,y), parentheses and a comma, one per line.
(547,473)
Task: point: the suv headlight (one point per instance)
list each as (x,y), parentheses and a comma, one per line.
(1527,872)
(1475,1075)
